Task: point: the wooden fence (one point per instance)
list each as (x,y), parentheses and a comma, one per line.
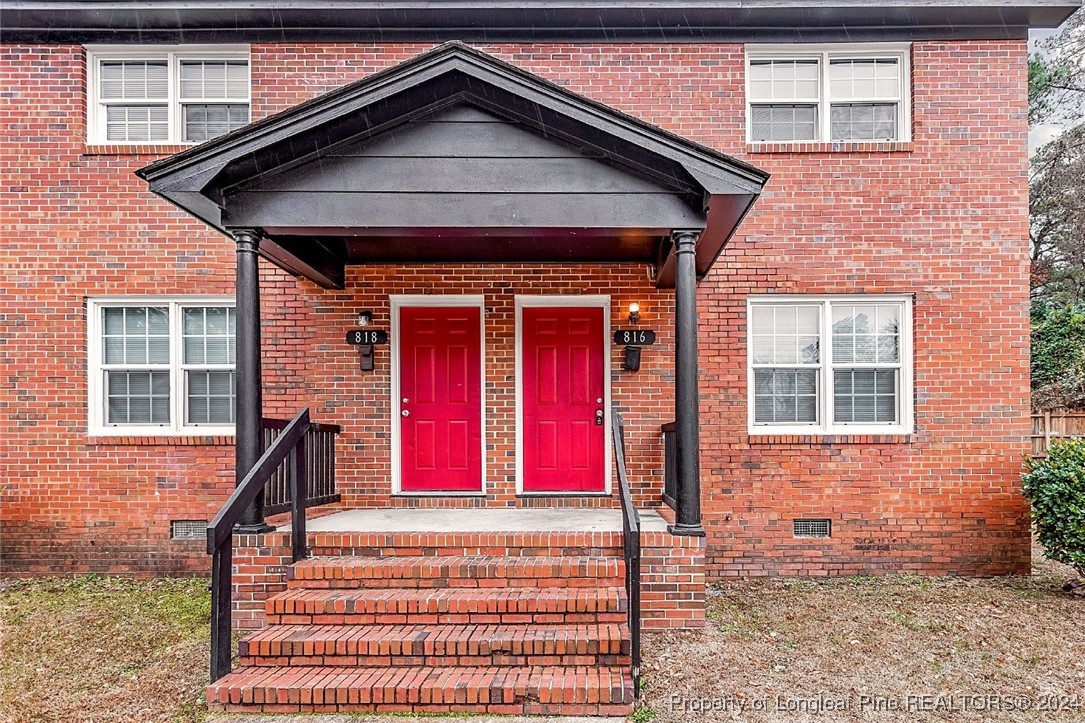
(1055,424)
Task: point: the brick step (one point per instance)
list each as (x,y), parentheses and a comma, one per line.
(549,691)
(448,605)
(438,645)
(482,571)
(510,544)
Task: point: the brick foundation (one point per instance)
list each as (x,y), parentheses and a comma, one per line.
(260,563)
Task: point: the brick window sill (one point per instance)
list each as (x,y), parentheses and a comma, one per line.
(145,441)
(849,147)
(835,439)
(148,149)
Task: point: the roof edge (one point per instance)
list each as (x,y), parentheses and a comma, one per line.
(143,21)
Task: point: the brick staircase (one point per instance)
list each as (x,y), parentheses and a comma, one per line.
(504,623)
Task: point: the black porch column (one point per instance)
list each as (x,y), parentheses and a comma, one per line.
(249,402)
(687,427)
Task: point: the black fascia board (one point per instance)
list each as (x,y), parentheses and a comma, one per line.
(190,21)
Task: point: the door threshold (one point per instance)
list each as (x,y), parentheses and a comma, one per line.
(439,494)
(564,494)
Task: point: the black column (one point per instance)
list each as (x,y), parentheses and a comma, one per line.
(249,404)
(687,427)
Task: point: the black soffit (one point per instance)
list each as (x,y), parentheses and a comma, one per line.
(274,173)
(195,21)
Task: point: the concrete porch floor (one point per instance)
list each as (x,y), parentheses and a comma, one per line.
(552,519)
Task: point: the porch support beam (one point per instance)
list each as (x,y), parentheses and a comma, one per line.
(686,414)
(249,394)
(310,260)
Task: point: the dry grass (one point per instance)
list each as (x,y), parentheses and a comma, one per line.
(103,649)
(781,643)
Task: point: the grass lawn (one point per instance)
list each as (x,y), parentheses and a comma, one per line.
(103,649)
(790,646)
(106,649)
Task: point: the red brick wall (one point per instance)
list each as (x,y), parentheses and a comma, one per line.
(946,222)
(942,218)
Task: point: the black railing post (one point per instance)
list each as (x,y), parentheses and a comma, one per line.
(221,613)
(687,515)
(669,482)
(299,485)
(249,401)
(630,546)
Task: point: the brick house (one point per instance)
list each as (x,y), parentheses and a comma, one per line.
(759,271)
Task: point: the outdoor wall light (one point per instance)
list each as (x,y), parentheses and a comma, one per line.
(364,341)
(633,340)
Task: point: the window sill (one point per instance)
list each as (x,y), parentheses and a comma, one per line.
(218,440)
(823,439)
(135,149)
(839,147)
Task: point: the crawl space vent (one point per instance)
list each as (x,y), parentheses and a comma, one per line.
(811,528)
(188,529)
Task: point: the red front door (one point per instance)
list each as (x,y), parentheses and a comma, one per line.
(563,386)
(440,351)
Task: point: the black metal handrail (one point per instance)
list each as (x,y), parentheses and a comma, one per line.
(631,545)
(290,444)
(320,471)
(670,465)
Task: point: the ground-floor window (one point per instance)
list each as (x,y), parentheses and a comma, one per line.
(161,365)
(830,365)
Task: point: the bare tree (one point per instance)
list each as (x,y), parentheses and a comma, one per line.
(1057,176)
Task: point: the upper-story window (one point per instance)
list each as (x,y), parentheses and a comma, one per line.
(827,93)
(183,94)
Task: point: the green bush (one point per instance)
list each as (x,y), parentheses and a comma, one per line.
(1055,485)
(1058,356)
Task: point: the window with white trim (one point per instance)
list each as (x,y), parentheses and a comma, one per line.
(827,93)
(830,365)
(161,366)
(182,94)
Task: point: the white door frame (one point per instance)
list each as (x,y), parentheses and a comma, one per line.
(398,302)
(566,300)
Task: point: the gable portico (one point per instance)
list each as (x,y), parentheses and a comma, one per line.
(457,158)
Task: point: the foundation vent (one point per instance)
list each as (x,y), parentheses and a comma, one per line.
(188,529)
(811,528)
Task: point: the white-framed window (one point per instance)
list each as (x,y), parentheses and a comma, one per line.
(161,365)
(830,365)
(828,93)
(167,94)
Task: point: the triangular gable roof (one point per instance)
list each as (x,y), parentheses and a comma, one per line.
(204,179)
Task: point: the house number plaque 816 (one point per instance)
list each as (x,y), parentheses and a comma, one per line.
(635,337)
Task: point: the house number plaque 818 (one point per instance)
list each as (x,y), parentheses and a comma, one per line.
(367,336)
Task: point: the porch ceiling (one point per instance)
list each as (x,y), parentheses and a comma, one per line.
(456,156)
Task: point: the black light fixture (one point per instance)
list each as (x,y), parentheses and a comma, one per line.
(365,318)
(631,363)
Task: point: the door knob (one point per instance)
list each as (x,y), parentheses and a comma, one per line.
(599,417)
(406,413)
